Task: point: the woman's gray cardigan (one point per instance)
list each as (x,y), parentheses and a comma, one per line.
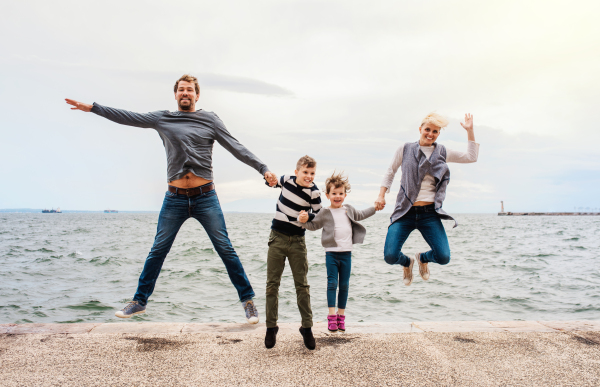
(324,219)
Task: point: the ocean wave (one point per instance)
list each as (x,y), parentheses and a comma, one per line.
(495,273)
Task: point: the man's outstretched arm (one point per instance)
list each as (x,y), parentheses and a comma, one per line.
(240,152)
(123,117)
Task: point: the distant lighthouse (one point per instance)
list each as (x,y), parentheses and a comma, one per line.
(502,209)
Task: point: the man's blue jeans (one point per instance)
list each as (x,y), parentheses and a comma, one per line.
(427,221)
(175,210)
(339,265)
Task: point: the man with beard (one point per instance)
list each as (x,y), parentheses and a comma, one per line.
(188,136)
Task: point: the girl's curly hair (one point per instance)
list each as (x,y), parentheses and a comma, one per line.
(337,180)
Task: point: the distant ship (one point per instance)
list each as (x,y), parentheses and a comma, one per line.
(52,211)
(111,211)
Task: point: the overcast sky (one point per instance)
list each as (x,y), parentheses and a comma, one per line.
(346,82)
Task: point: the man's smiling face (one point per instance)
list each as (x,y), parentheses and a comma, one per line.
(186,96)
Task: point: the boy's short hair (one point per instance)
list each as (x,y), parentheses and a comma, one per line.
(435,119)
(337,181)
(306,161)
(190,79)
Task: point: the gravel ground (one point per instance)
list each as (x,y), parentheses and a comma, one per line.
(240,359)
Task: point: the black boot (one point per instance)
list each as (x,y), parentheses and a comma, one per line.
(309,339)
(271,337)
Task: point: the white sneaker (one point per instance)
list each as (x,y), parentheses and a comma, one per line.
(423,269)
(132,308)
(251,312)
(408,276)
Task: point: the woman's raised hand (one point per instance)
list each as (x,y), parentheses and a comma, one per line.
(86,107)
(468,125)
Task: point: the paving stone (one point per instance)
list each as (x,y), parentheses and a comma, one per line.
(5,328)
(522,326)
(74,328)
(223,328)
(457,326)
(397,327)
(138,327)
(592,325)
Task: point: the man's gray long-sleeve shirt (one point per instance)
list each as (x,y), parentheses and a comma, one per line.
(188,138)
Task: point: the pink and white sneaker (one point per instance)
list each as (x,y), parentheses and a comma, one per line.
(332,324)
(341,322)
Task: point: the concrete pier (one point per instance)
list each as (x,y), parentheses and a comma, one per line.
(549,214)
(459,353)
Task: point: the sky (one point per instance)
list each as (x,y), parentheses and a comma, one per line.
(345,82)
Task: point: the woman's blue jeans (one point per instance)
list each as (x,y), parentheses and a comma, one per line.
(339,264)
(427,221)
(175,210)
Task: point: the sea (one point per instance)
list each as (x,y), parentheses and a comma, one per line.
(82,267)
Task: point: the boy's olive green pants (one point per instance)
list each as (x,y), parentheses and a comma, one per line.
(294,248)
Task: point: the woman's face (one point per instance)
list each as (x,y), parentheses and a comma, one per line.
(429,134)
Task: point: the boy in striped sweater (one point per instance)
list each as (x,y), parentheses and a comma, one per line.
(298,193)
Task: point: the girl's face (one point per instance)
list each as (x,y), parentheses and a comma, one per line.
(336,196)
(429,134)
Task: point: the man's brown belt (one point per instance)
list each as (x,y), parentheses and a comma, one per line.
(189,192)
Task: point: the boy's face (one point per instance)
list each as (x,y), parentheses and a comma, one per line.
(305,176)
(336,196)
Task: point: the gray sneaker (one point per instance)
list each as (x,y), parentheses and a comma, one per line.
(408,275)
(132,307)
(251,312)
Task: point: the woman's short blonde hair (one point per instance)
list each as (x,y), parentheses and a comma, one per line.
(337,180)
(435,119)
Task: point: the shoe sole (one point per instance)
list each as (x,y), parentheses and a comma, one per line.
(332,331)
(252,320)
(129,315)
(410,268)
(418,259)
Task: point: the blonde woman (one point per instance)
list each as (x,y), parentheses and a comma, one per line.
(425,176)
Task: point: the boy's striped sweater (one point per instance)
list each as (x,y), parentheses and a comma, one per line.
(293,199)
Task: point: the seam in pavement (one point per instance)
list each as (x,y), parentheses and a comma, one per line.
(556,329)
(416,326)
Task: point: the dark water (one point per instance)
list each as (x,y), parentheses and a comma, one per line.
(82,267)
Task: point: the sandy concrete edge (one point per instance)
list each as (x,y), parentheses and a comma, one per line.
(319,328)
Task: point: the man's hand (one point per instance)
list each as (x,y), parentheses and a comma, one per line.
(271,178)
(380,203)
(79,105)
(303,217)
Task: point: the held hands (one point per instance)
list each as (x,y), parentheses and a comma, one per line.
(303,217)
(380,203)
(79,105)
(271,178)
(468,125)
